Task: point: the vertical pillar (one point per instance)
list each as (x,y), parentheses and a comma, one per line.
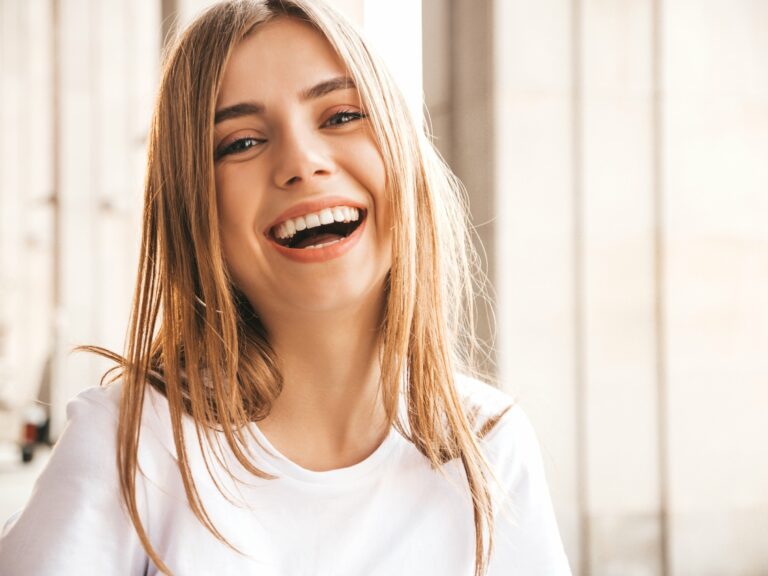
(25,210)
(460,93)
(715,81)
(616,109)
(106,76)
(168,19)
(401,51)
(538,215)
(76,148)
(499,85)
(10,198)
(35,272)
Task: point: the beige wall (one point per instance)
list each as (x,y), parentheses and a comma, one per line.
(25,202)
(107,71)
(716,206)
(539,343)
(628,144)
(618,262)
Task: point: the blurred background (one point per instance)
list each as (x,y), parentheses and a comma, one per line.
(616,157)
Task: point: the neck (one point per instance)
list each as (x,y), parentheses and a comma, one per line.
(330,399)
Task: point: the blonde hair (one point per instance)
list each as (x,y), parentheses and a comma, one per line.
(194,337)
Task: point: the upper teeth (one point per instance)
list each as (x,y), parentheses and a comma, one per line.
(289,227)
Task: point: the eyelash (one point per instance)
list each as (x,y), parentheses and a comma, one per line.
(243,144)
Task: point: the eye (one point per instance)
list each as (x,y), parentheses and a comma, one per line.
(237,146)
(344,117)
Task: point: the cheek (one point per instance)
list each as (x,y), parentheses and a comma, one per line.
(374,171)
(377,185)
(223,202)
(235,201)
(367,166)
(237,209)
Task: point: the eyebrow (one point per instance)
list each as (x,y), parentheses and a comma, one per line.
(313,92)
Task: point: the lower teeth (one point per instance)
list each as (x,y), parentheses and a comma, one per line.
(324,244)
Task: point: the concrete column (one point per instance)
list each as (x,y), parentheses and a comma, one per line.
(616,111)
(10,198)
(37,209)
(715,78)
(394,29)
(107,76)
(25,208)
(537,215)
(77,165)
(627,148)
(498,84)
(459,93)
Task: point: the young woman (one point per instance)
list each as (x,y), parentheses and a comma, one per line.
(295,396)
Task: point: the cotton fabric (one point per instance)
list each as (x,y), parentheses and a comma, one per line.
(390,514)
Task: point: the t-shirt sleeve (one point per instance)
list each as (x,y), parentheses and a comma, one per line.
(74,521)
(526,537)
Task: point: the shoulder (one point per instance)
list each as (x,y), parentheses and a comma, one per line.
(87,444)
(528,537)
(93,416)
(84,455)
(76,501)
(503,428)
(490,409)
(97,400)
(481,393)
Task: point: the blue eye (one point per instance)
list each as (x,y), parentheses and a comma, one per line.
(344,117)
(237,146)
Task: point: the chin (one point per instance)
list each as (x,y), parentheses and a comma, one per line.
(346,297)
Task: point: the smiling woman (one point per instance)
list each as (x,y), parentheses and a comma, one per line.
(300,183)
(296,396)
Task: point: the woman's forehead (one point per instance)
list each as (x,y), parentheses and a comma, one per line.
(278,60)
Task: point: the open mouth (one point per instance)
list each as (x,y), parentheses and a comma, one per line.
(318,229)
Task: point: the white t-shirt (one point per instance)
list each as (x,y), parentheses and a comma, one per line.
(388,515)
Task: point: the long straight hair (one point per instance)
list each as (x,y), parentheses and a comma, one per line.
(195,338)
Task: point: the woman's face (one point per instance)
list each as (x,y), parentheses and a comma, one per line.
(300,182)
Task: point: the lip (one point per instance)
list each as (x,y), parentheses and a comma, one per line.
(312,255)
(312,206)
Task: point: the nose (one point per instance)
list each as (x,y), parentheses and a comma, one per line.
(300,157)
